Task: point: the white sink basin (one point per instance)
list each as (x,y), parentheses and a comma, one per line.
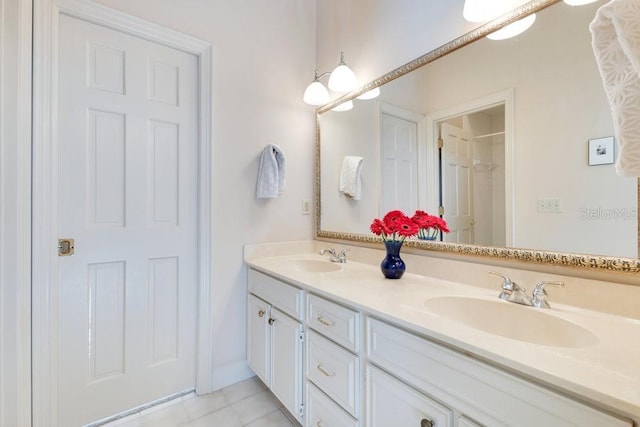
(313,266)
(512,320)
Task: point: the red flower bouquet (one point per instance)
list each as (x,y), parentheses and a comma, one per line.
(394,226)
(429,225)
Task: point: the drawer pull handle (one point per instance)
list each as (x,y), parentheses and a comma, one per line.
(325,372)
(271,320)
(426,422)
(261,313)
(325,322)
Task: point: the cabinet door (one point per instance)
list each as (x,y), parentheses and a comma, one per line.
(393,403)
(258,338)
(286,361)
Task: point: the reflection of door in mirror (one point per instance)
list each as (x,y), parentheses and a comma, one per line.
(398,160)
(472,178)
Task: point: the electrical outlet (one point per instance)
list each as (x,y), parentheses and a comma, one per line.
(549,205)
(554,205)
(306,207)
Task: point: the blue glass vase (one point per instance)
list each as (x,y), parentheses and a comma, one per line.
(392,265)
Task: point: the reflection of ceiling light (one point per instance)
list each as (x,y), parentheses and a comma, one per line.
(370,94)
(341,79)
(578,2)
(483,10)
(513,29)
(345,106)
(486,10)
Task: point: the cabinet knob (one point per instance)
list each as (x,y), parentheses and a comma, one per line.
(261,313)
(271,320)
(320,424)
(426,422)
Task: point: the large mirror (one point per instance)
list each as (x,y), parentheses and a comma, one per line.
(516,118)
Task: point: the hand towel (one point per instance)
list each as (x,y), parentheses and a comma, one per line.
(271,179)
(615,35)
(350,181)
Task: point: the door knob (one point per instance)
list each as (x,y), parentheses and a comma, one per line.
(426,422)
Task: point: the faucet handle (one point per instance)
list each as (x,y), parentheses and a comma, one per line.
(507,285)
(540,293)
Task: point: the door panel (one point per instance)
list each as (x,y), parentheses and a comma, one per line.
(457,183)
(399,173)
(127,185)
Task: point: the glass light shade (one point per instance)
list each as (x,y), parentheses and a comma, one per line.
(345,106)
(373,93)
(316,94)
(482,10)
(513,29)
(342,79)
(578,2)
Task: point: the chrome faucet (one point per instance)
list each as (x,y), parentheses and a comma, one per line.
(335,256)
(512,292)
(540,294)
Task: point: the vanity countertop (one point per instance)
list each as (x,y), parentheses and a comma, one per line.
(606,373)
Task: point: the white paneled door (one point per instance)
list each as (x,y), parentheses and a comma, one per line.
(457,183)
(399,164)
(127,195)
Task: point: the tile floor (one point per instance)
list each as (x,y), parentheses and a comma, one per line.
(247,403)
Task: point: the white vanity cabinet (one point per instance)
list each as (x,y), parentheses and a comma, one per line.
(332,364)
(475,389)
(360,370)
(275,338)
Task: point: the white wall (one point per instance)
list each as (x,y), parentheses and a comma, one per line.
(262,59)
(378,36)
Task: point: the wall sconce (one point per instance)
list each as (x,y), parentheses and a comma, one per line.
(341,79)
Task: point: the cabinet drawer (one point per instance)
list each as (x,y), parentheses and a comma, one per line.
(484,393)
(334,370)
(324,412)
(334,321)
(279,294)
(393,403)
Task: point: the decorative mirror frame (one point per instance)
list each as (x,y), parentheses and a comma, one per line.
(565,259)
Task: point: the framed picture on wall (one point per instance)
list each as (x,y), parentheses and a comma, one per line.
(601,151)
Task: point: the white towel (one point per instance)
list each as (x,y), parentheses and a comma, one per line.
(271,181)
(350,181)
(616,43)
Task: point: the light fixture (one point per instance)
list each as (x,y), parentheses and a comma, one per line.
(345,106)
(373,93)
(578,2)
(513,29)
(341,79)
(486,10)
(316,93)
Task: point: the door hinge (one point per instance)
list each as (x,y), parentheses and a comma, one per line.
(441,211)
(440,143)
(65,247)
(301,337)
(301,411)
